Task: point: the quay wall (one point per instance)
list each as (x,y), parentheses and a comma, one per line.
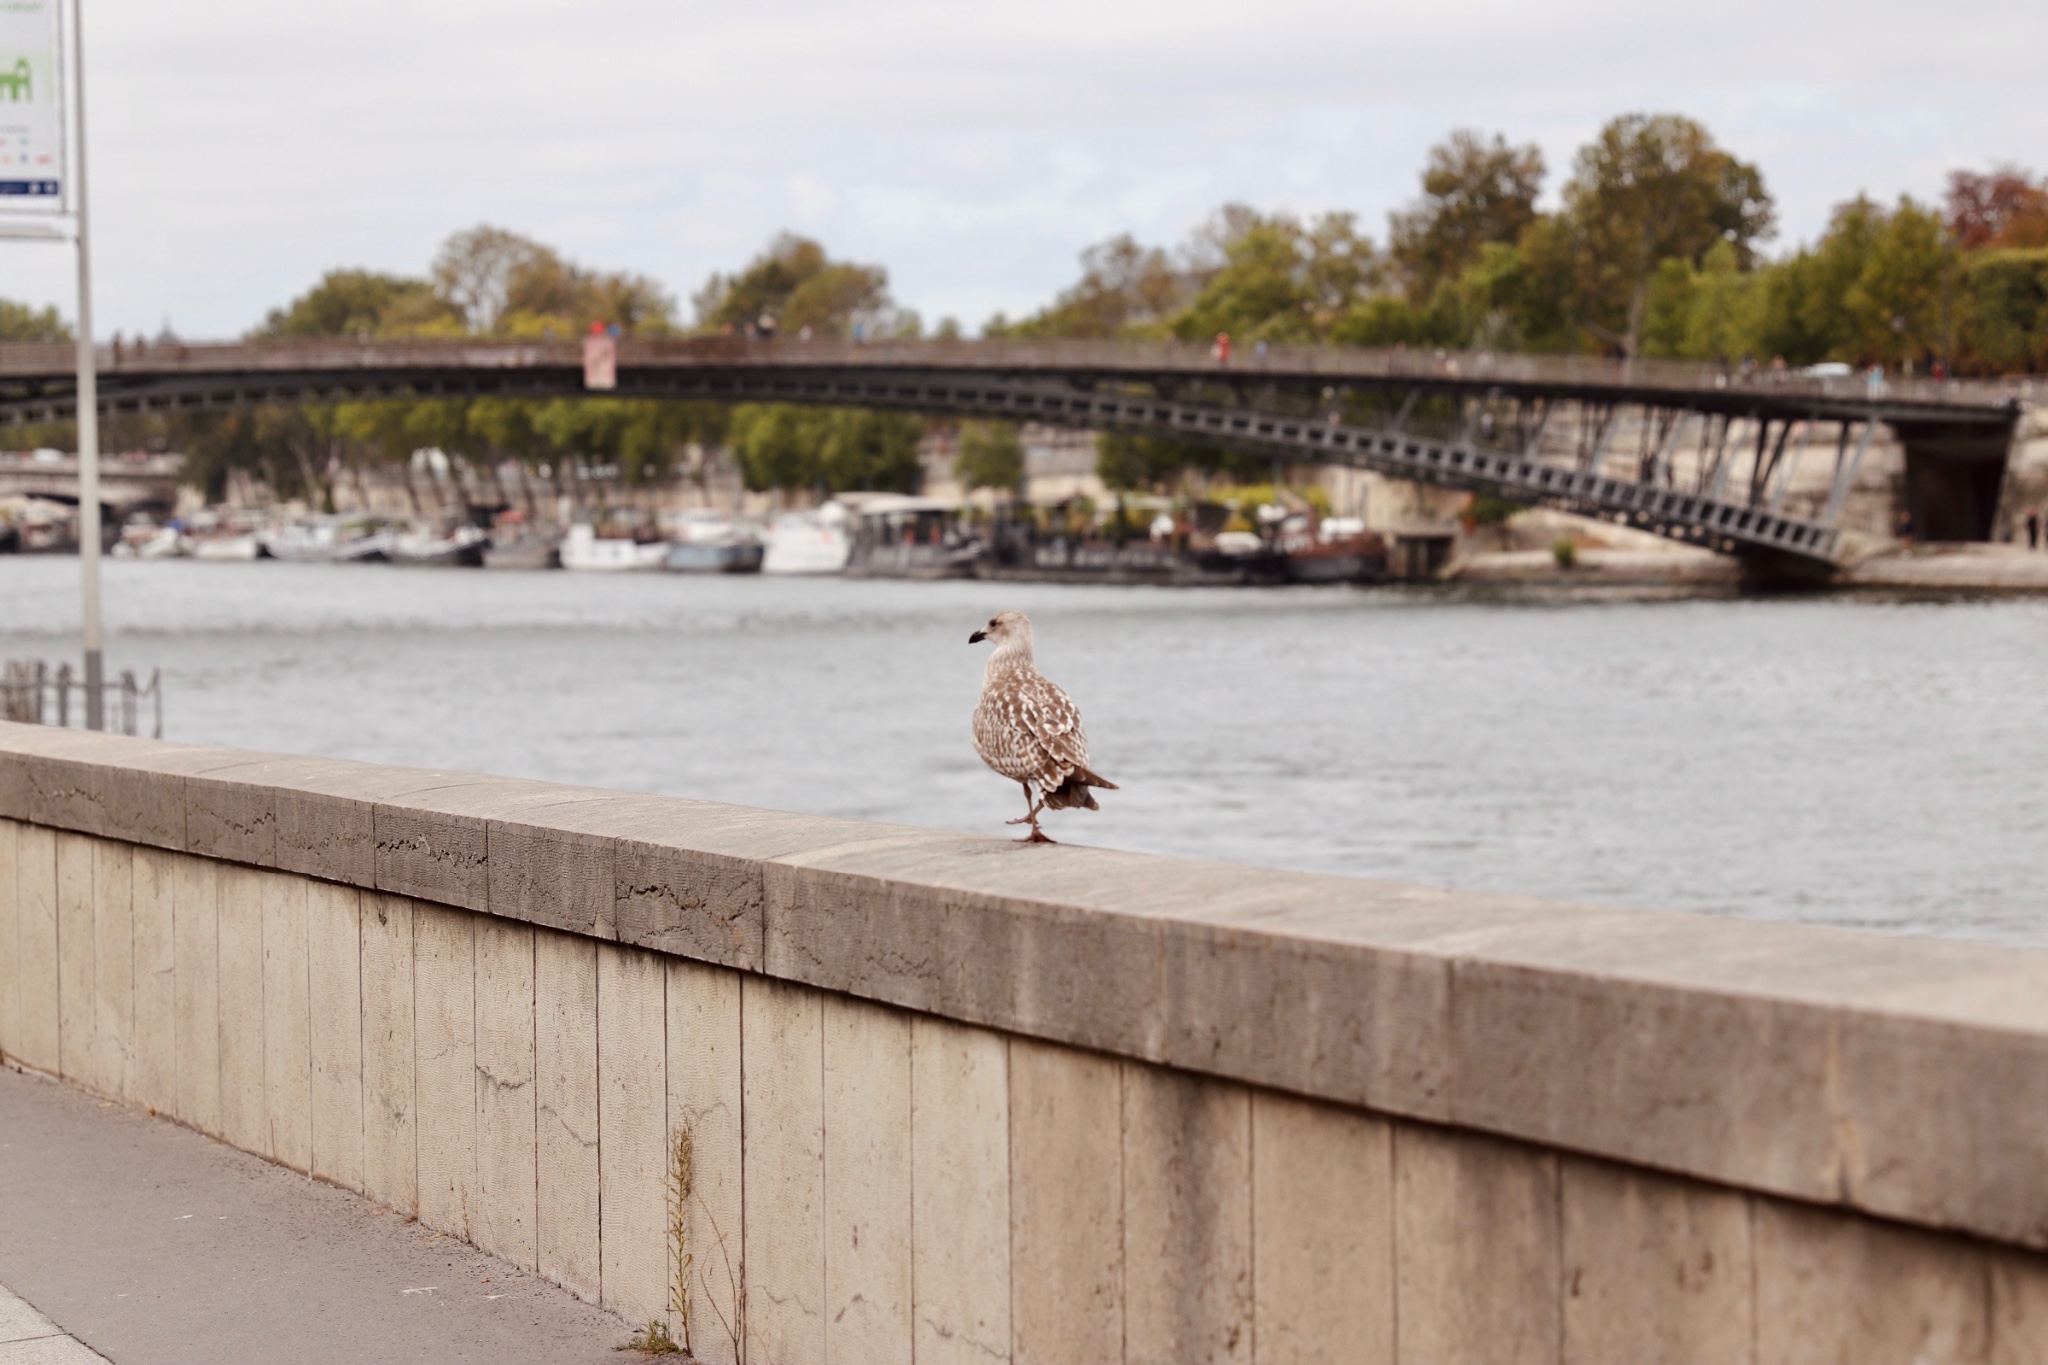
(948,1098)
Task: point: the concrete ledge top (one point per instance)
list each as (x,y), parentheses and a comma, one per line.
(1903,1077)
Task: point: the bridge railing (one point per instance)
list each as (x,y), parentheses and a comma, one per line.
(1335,363)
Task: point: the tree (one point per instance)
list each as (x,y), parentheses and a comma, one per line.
(1128,463)
(350,303)
(1474,193)
(1709,312)
(990,456)
(276,441)
(793,284)
(545,293)
(1125,289)
(506,284)
(1276,278)
(1880,287)
(474,269)
(2006,312)
(783,446)
(642,437)
(2007,208)
(1647,189)
(1897,303)
(20,322)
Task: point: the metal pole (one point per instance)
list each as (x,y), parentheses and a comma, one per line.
(88,412)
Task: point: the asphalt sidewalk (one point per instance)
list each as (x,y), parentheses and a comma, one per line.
(153,1245)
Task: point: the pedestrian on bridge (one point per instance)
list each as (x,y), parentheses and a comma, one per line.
(2033,528)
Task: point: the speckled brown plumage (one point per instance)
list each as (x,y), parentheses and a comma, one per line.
(1029,730)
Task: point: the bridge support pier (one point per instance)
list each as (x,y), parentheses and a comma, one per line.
(1953,481)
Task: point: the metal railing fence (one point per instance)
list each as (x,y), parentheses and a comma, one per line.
(34,693)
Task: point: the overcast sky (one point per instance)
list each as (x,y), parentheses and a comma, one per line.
(241,147)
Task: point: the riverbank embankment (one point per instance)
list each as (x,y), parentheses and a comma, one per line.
(803,1088)
(1929,568)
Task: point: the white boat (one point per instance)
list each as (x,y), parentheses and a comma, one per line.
(232,546)
(157,542)
(707,542)
(808,542)
(299,542)
(324,540)
(738,555)
(463,547)
(584,550)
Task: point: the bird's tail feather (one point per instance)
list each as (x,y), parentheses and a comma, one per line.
(1073,793)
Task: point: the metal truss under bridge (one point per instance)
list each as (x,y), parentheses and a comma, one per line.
(1702,454)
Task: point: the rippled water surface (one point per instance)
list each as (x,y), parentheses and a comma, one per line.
(1838,760)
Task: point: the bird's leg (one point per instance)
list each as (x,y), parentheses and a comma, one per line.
(1030,817)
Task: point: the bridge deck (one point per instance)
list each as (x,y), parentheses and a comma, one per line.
(45,373)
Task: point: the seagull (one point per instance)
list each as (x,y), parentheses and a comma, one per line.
(1028,730)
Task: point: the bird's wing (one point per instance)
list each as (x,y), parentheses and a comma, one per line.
(1051,718)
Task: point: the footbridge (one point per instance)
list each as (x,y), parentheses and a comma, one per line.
(1699,453)
(127,483)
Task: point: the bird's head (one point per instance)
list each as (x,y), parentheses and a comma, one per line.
(1009,629)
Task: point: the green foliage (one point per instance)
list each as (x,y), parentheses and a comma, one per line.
(2007,322)
(1896,303)
(278,441)
(1475,194)
(503,284)
(351,303)
(1879,288)
(782,446)
(654,1340)
(990,456)
(1487,510)
(19,322)
(792,285)
(484,281)
(1249,497)
(1647,189)
(1387,320)
(1127,463)
(1710,312)
(1125,290)
(641,436)
(1564,552)
(1279,279)
(1477,265)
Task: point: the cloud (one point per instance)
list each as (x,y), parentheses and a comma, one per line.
(241,148)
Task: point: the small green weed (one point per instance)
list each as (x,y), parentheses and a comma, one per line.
(653,1340)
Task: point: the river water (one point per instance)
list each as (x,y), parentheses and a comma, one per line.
(1839,760)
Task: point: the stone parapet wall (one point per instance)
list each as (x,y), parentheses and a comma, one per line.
(948,1098)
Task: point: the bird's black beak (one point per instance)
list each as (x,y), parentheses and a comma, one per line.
(977,637)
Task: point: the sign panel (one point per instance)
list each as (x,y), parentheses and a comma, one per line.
(31,105)
(600,361)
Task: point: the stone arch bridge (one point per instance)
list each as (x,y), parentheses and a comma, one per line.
(1712,456)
